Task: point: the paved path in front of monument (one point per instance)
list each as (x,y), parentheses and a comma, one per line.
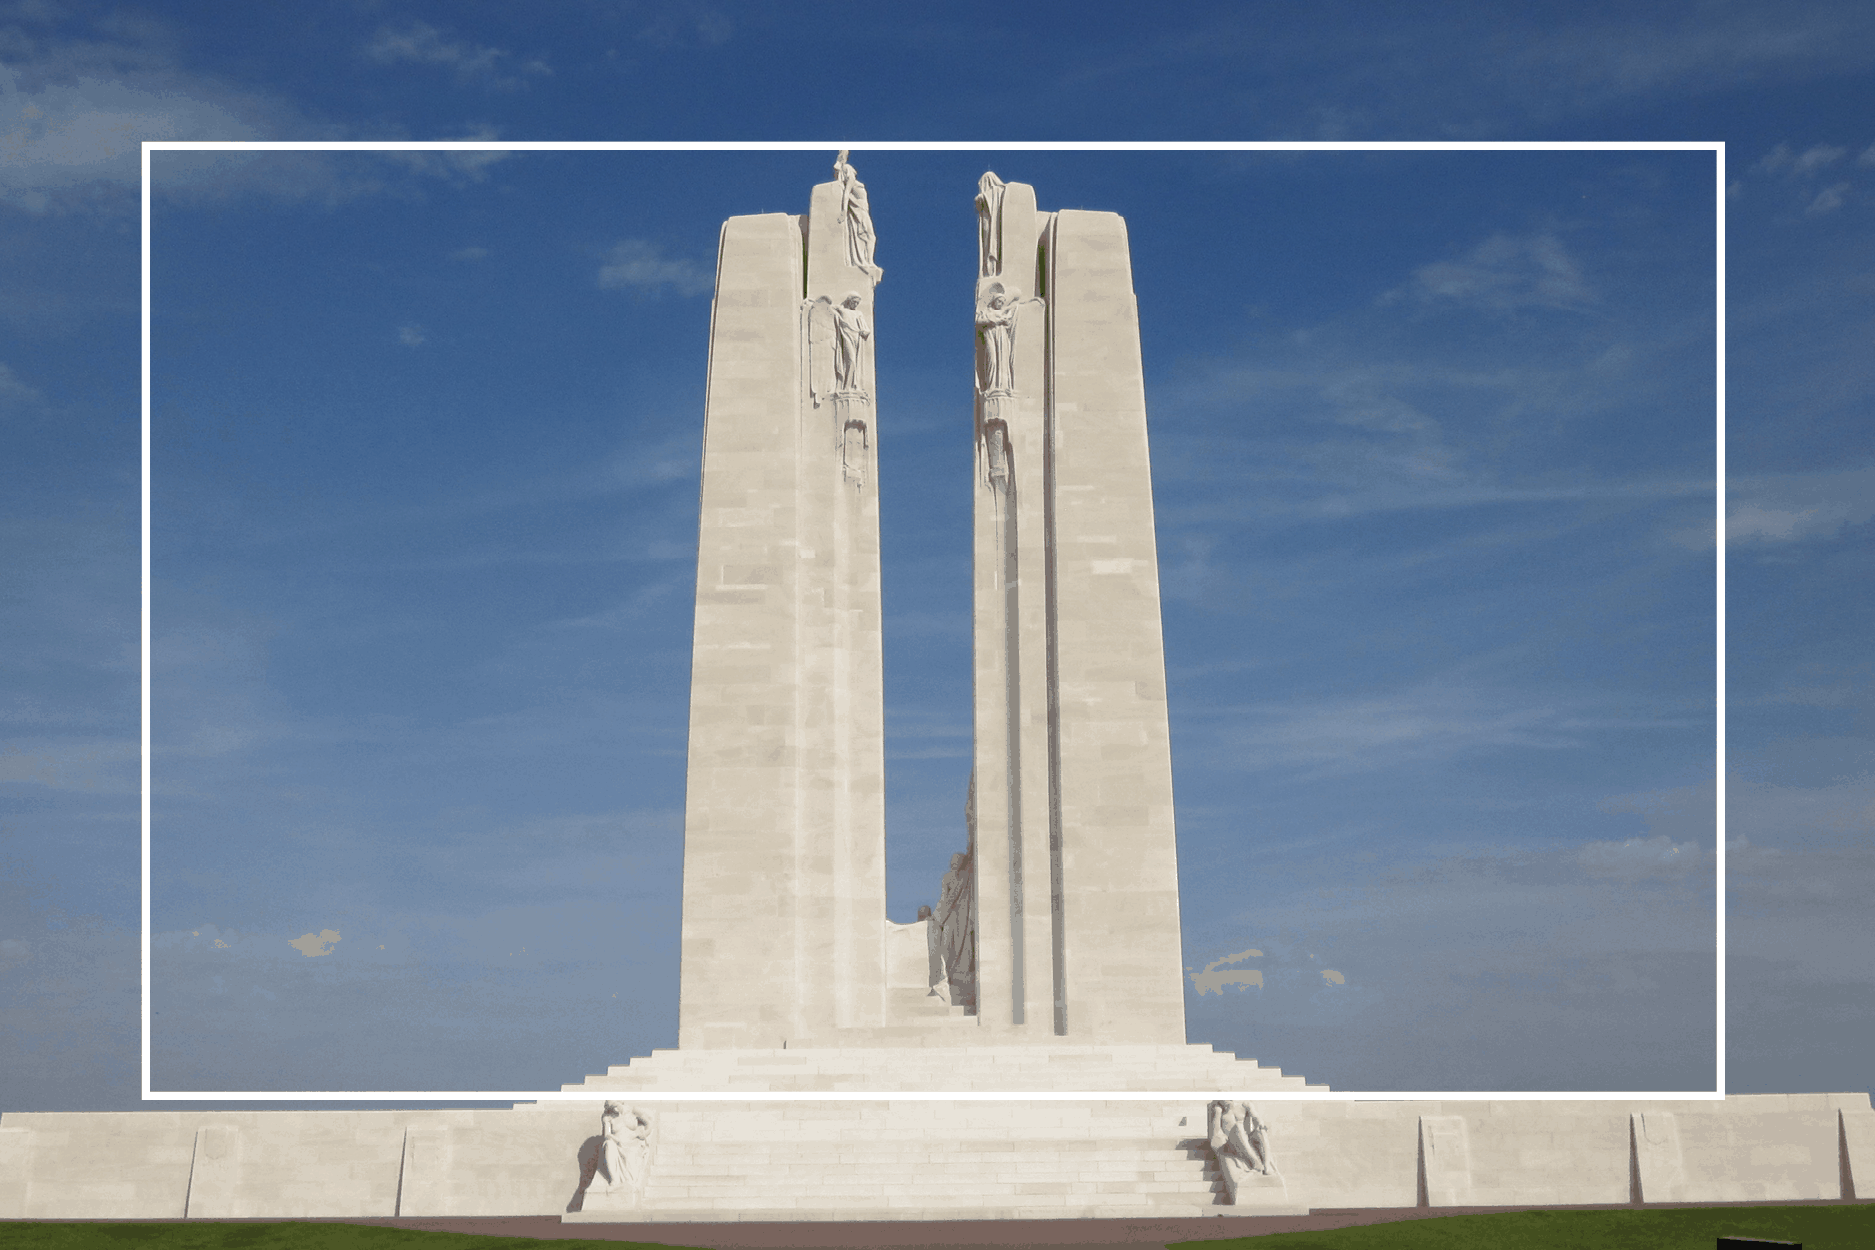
(1109,1234)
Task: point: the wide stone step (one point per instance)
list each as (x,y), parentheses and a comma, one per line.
(846,1151)
(934,1197)
(1141,1170)
(1000,1080)
(956,1181)
(967,1066)
(998,1084)
(816,1161)
(704,1165)
(1058,1183)
(809,1213)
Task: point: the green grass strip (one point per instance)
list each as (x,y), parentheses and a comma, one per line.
(1671,1228)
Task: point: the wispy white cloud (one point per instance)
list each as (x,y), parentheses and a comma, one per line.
(1676,817)
(15,394)
(61,142)
(1503,273)
(104,765)
(1636,858)
(1794,817)
(419,43)
(1781,160)
(1798,172)
(74,111)
(1828,200)
(1329,735)
(1792,507)
(1553,947)
(1442,70)
(411,335)
(313,945)
(638,264)
(687,24)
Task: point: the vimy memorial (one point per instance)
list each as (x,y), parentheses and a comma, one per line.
(1049,961)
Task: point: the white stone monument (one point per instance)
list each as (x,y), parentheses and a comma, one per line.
(1074,888)
(1054,964)
(784,824)
(1077,873)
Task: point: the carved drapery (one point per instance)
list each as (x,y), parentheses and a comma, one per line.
(856,215)
(1240,1142)
(839,370)
(989,226)
(996,341)
(954,920)
(623,1162)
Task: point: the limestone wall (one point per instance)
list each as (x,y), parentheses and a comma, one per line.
(784,826)
(1123,960)
(740,827)
(857,1159)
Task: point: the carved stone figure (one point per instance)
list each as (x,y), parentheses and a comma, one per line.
(989,226)
(853,452)
(852,329)
(996,452)
(953,885)
(624,1155)
(956,917)
(821,349)
(996,342)
(938,975)
(857,214)
(1240,1142)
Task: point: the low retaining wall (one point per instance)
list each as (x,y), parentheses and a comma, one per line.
(876,1157)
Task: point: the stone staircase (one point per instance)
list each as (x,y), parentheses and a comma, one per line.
(992,1069)
(931,1181)
(927,1008)
(928,1161)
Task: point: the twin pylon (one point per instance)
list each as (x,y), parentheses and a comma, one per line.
(1072,863)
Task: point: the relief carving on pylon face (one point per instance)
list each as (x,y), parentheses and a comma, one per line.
(853,346)
(839,348)
(996,452)
(996,341)
(853,449)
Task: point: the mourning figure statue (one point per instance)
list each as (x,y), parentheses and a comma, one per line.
(938,975)
(996,342)
(1240,1142)
(989,226)
(857,214)
(624,1153)
(955,920)
(851,330)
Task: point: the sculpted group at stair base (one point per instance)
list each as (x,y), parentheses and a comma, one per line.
(1049,957)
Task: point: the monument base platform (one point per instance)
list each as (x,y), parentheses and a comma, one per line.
(918,1159)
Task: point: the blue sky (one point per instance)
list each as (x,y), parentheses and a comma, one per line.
(1432,448)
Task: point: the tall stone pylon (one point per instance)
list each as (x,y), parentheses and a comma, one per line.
(1075,852)
(784,822)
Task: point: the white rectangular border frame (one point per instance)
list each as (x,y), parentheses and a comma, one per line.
(428,1096)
